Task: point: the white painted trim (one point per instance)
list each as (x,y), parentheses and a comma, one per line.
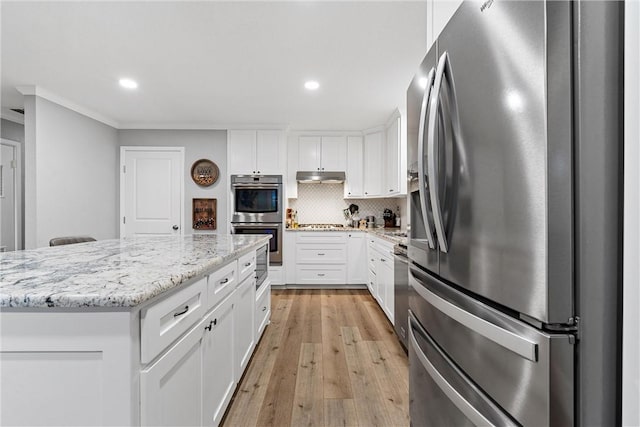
(57,99)
(17,191)
(123,150)
(631,236)
(380,128)
(298,133)
(199,126)
(12,116)
(393,117)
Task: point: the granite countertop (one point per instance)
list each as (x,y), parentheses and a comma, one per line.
(113,273)
(393,235)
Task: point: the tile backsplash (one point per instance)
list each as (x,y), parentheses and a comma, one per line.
(323,204)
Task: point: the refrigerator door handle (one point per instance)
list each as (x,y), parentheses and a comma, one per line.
(466,407)
(507,339)
(422,185)
(444,67)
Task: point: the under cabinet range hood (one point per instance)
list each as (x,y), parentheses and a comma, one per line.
(320,176)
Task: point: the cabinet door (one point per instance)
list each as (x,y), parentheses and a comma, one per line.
(354,185)
(386,286)
(171,388)
(393,158)
(309,153)
(334,153)
(373,164)
(244,312)
(357,258)
(218,359)
(269,152)
(242,143)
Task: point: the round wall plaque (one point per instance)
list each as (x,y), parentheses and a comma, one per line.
(204,172)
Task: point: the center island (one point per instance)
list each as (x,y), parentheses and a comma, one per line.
(136,331)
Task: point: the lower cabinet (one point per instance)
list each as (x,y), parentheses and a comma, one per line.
(263,308)
(244,313)
(381,281)
(171,388)
(192,382)
(218,360)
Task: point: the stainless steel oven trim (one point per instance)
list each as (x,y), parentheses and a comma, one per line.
(274,258)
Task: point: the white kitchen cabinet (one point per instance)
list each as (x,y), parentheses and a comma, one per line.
(322,153)
(255,152)
(321,258)
(373,164)
(244,323)
(354,184)
(381,280)
(357,272)
(334,153)
(218,359)
(171,388)
(392,144)
(263,308)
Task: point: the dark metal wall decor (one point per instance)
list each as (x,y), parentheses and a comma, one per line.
(204,172)
(204,214)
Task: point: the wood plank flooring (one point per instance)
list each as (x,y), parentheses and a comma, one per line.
(328,358)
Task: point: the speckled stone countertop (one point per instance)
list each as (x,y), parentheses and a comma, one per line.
(393,235)
(113,273)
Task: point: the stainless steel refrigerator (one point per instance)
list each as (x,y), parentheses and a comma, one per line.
(514,141)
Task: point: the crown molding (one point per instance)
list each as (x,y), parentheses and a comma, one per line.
(199,126)
(57,99)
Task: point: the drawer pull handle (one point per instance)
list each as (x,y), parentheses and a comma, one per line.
(321,274)
(247,264)
(321,254)
(226,280)
(211,324)
(186,308)
(264,308)
(382,259)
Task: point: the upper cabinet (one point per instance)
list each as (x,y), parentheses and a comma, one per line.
(395,158)
(354,185)
(322,153)
(373,164)
(256,152)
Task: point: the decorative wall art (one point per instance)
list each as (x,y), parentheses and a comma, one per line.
(204,214)
(204,172)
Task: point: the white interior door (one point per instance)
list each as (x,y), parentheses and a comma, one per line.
(10,194)
(151,190)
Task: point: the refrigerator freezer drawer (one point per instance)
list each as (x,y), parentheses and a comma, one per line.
(527,372)
(441,393)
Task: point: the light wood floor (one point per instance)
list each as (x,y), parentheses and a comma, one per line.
(328,358)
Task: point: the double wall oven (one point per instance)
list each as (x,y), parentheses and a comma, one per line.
(257,209)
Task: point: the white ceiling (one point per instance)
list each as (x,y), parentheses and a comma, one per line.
(208,64)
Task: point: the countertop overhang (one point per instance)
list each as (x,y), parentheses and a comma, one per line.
(114,273)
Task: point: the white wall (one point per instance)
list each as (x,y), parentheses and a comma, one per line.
(631,271)
(70,174)
(198,144)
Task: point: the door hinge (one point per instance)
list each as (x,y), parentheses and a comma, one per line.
(124,168)
(14,164)
(124,219)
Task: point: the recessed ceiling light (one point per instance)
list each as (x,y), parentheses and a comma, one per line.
(128,83)
(311,85)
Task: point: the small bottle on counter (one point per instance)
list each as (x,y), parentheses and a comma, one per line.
(397,216)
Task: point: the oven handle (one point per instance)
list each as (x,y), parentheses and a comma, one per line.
(257,186)
(256,225)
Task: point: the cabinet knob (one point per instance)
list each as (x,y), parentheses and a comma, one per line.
(258,171)
(175,227)
(264,308)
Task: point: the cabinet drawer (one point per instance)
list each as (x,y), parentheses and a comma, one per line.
(246,265)
(165,321)
(310,274)
(321,254)
(263,311)
(331,237)
(221,283)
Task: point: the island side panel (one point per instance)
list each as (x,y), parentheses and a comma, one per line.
(69,368)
